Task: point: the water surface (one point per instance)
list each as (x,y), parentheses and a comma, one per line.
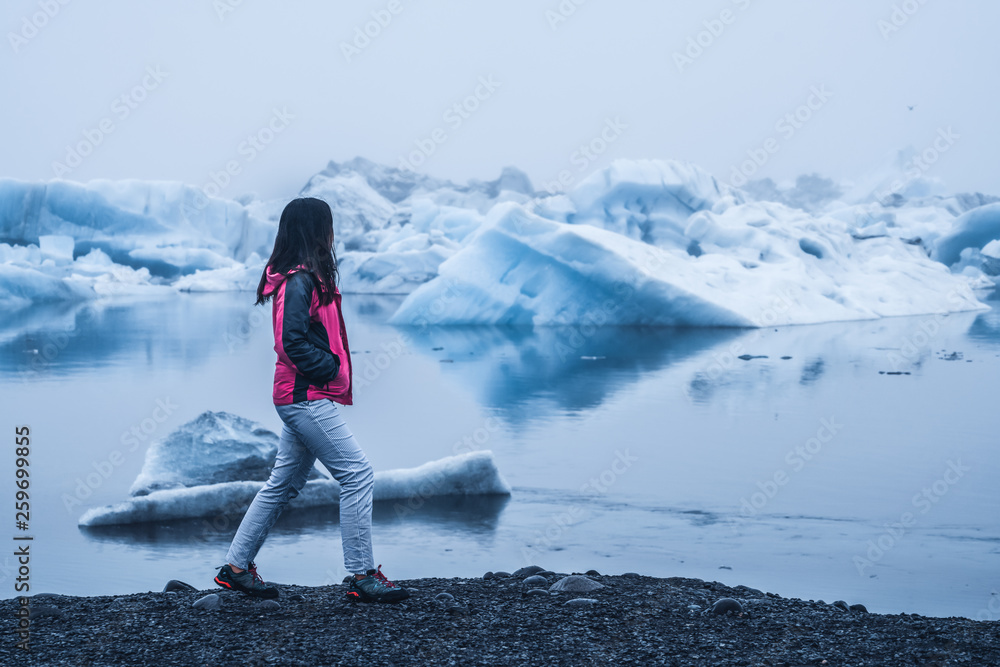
(822,476)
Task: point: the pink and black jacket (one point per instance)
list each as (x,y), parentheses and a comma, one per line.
(314,359)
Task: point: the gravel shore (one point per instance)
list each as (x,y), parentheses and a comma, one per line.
(502,619)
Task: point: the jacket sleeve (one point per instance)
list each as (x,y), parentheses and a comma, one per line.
(306,347)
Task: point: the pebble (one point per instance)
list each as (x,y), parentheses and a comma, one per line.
(43,610)
(546,573)
(580,602)
(488,576)
(726,605)
(538,592)
(118,604)
(297,597)
(528,571)
(536,580)
(859,607)
(269,605)
(45,596)
(444,597)
(746,591)
(505,626)
(592,573)
(631,575)
(211,602)
(175,585)
(575,583)
(840,604)
(501,575)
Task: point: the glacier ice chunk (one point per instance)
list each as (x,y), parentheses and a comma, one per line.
(647,200)
(213,447)
(521,269)
(974,229)
(473,473)
(57,247)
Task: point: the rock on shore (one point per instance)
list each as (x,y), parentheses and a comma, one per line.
(496,620)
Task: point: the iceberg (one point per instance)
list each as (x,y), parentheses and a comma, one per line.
(975,229)
(213,447)
(693,251)
(22,284)
(647,200)
(394,227)
(740,265)
(216,463)
(469,474)
(167,228)
(30,275)
(110,238)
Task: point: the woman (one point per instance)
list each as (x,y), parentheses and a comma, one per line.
(312,375)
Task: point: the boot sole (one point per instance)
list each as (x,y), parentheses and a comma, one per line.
(253,594)
(354,596)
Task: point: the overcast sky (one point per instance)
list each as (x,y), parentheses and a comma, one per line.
(182,84)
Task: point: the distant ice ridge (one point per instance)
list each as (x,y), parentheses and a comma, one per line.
(741,265)
(395,227)
(119,237)
(216,464)
(768,253)
(47,272)
(168,228)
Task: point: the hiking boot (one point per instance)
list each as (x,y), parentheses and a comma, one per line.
(247,581)
(375,588)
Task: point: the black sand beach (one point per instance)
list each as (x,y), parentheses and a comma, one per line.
(498,620)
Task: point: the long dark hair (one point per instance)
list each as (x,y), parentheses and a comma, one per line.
(305,238)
